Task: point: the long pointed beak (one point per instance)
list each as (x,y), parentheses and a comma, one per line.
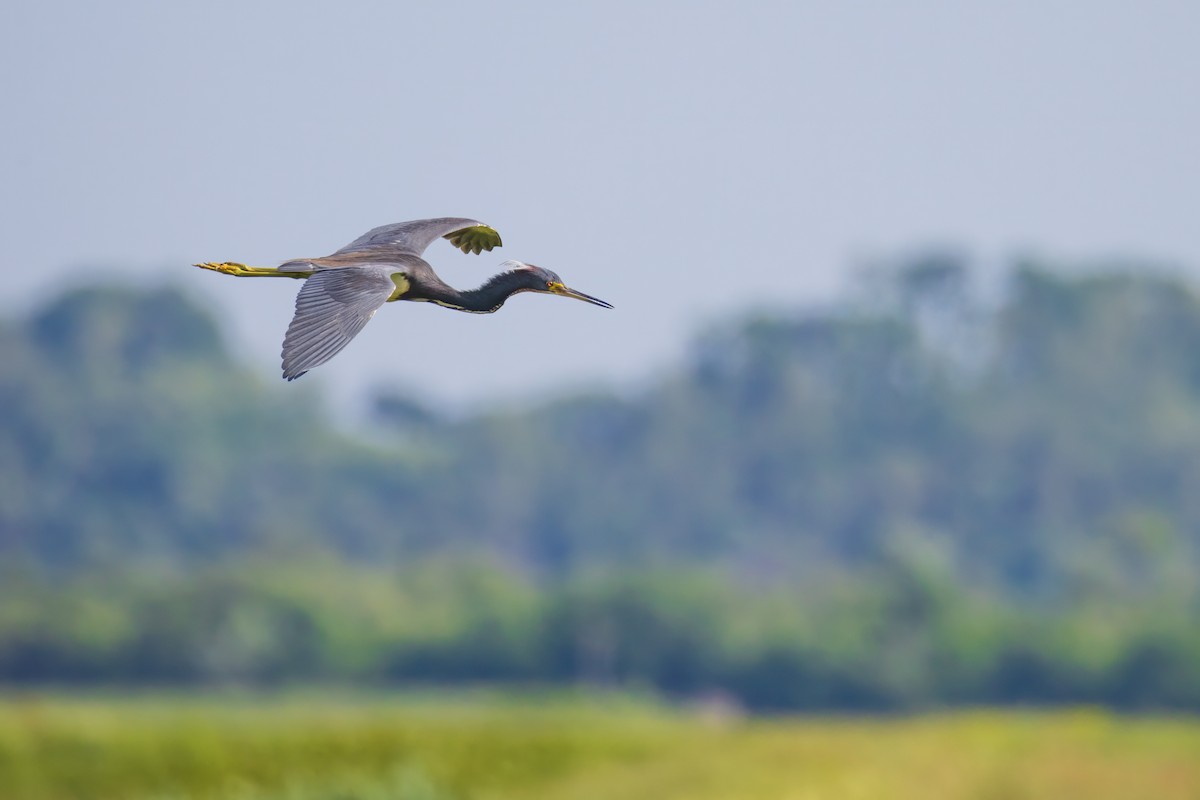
(587,298)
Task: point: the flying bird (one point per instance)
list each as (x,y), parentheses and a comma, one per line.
(342,291)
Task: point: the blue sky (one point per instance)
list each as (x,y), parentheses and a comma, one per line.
(684,161)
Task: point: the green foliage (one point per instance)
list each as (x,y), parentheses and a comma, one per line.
(897,638)
(128,432)
(918,496)
(298,748)
(253,747)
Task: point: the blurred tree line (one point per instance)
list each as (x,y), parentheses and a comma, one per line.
(898,636)
(923,494)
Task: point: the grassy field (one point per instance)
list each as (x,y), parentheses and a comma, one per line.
(363,748)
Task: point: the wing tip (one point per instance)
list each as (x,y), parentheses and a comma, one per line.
(474,239)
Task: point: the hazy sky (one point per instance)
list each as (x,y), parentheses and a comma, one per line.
(683,161)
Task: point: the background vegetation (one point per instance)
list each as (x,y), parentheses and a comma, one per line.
(923,494)
(361,748)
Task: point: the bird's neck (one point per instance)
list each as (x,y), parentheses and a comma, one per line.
(484,300)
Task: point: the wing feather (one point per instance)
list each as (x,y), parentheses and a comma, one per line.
(468,235)
(331,308)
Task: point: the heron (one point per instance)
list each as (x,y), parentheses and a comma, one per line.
(343,290)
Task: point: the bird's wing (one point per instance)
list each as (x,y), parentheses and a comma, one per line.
(468,235)
(332,307)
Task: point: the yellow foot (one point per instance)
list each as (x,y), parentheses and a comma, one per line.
(228,267)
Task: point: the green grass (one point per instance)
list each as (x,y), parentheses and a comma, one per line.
(311,747)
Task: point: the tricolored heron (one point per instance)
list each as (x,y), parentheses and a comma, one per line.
(343,291)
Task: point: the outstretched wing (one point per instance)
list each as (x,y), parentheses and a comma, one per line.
(332,307)
(468,235)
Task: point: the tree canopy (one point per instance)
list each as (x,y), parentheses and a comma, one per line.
(993,493)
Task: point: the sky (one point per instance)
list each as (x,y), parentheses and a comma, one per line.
(685,161)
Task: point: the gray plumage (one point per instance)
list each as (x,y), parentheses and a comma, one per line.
(342,291)
(350,285)
(331,308)
(413,237)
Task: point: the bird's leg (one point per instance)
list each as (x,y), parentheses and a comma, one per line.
(242,271)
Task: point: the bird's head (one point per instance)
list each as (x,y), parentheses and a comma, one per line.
(538,279)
